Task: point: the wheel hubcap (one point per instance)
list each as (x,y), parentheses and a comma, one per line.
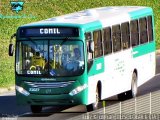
(134,86)
(97,99)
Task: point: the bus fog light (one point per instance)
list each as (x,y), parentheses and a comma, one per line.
(78,89)
(23,91)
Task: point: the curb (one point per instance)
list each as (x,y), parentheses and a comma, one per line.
(5,90)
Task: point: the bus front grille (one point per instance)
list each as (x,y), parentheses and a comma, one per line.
(49,84)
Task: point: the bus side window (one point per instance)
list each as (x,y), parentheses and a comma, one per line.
(134,33)
(150,28)
(98,50)
(116,38)
(143,30)
(125,35)
(107,40)
(88,37)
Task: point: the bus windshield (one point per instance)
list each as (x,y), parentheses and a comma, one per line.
(50,58)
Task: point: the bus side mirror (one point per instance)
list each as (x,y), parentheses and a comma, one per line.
(11,46)
(91,46)
(11,50)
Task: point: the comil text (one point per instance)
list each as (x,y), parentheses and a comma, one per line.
(49,31)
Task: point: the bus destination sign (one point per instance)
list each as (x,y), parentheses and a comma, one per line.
(49,32)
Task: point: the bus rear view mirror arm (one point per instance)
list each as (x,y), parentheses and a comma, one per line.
(11,46)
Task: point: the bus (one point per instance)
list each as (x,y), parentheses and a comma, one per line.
(84,57)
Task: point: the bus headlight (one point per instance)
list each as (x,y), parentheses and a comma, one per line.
(78,90)
(23,91)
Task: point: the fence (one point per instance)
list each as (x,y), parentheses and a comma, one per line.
(146,107)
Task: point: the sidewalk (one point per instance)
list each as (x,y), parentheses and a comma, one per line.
(5,90)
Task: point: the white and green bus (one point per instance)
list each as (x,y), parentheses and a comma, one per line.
(84,57)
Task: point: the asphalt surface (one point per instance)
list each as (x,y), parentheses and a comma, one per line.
(9,109)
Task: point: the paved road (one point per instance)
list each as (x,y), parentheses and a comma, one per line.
(8,107)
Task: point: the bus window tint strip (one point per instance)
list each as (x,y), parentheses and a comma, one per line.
(143,30)
(116,37)
(97,37)
(107,40)
(150,28)
(134,33)
(125,35)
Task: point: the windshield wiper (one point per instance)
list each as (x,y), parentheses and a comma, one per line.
(64,40)
(32,41)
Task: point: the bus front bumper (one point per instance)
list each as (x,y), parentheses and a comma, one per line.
(45,100)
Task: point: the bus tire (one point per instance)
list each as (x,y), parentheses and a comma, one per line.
(131,93)
(134,88)
(36,108)
(123,96)
(95,105)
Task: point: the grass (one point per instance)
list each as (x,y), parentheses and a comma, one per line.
(36,10)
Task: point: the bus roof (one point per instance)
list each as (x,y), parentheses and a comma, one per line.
(105,15)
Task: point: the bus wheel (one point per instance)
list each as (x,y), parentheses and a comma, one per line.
(134,89)
(36,108)
(94,106)
(131,93)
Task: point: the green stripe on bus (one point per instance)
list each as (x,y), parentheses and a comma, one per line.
(97,66)
(141,13)
(143,49)
(92,25)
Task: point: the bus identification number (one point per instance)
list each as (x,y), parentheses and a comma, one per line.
(33,89)
(98,66)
